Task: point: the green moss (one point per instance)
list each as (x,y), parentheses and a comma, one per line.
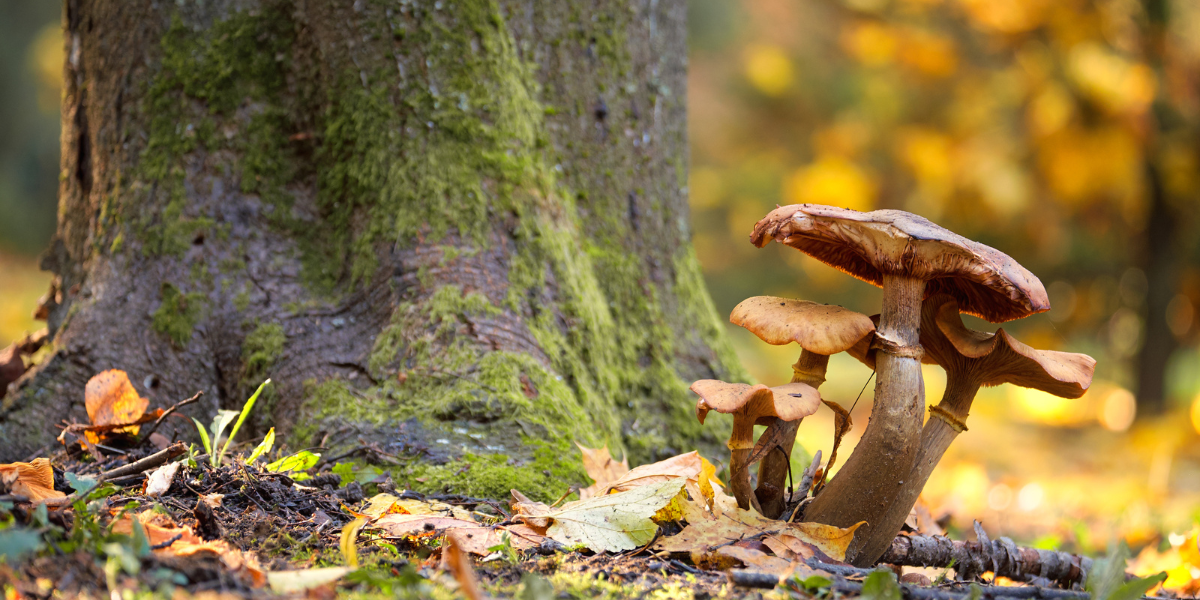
(261,348)
(545,477)
(178,314)
(205,75)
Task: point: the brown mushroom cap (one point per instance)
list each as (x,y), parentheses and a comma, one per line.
(819,328)
(1008,360)
(986,282)
(789,402)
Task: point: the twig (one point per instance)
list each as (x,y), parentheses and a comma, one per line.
(168,412)
(145,464)
(1002,557)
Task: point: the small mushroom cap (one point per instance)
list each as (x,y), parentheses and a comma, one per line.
(789,402)
(1007,360)
(820,328)
(994,358)
(986,282)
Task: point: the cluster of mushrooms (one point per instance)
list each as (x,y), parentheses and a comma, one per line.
(929,276)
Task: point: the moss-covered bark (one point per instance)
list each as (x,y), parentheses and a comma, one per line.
(457,229)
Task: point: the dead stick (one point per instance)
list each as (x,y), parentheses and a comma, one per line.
(1001,556)
(167,412)
(145,464)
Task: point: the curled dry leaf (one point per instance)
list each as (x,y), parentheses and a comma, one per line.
(602,468)
(381,504)
(402,525)
(160,480)
(456,561)
(169,538)
(34,480)
(111,400)
(687,466)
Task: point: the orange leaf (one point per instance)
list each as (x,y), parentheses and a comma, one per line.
(110,399)
(33,480)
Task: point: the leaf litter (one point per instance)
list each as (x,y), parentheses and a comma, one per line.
(287,525)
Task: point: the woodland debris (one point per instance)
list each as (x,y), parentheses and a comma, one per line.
(1002,557)
(32,480)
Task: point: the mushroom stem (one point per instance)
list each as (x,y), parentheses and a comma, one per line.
(865,487)
(937,435)
(741,442)
(810,369)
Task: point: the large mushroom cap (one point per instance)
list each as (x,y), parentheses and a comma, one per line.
(820,328)
(789,402)
(986,282)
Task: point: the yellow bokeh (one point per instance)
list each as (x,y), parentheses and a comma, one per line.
(768,68)
(927,154)
(1196,414)
(46,63)
(1050,110)
(1082,166)
(831,180)
(705,188)
(929,53)
(873,44)
(1115,83)
(1005,16)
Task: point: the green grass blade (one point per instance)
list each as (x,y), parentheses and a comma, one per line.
(203,437)
(242,417)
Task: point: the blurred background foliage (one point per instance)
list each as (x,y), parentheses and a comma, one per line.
(1062,132)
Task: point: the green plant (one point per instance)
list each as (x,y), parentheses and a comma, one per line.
(220,422)
(298,462)
(506,550)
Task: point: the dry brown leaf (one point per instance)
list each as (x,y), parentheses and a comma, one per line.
(401,525)
(34,480)
(921,520)
(456,561)
(182,541)
(601,467)
(382,504)
(687,465)
(110,399)
(761,561)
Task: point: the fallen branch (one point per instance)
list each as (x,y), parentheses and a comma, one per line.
(1002,557)
(154,460)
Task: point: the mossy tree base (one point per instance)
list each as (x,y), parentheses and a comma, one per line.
(457,230)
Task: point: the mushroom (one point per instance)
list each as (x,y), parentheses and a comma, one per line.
(909,257)
(751,405)
(971,359)
(821,330)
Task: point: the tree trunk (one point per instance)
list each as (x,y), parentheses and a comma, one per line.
(455,228)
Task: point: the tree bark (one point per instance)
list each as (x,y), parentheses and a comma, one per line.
(456,229)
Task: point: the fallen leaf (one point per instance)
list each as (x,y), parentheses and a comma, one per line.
(609,523)
(458,564)
(110,399)
(283,582)
(920,519)
(167,537)
(687,465)
(402,525)
(34,480)
(601,467)
(347,541)
(160,480)
(381,504)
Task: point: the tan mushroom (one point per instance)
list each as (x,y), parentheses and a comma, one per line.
(909,257)
(821,330)
(751,405)
(971,359)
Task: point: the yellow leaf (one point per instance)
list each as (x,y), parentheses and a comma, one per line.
(349,534)
(34,480)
